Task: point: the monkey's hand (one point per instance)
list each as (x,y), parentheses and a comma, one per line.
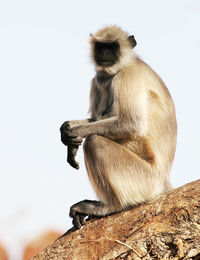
(67,137)
(71,154)
(72,141)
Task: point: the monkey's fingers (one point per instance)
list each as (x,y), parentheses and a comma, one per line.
(79,220)
(72,150)
(65,126)
(74,164)
(71,153)
(71,141)
(75,141)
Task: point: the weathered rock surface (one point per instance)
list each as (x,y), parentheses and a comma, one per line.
(165,228)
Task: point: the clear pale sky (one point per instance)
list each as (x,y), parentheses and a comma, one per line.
(45,75)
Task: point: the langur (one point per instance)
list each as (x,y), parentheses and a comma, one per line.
(130,138)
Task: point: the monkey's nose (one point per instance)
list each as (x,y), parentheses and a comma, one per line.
(104,53)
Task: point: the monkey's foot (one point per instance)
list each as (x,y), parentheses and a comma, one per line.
(79,220)
(82,209)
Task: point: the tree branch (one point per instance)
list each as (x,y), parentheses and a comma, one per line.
(165,228)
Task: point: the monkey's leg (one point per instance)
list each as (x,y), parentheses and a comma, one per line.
(119,177)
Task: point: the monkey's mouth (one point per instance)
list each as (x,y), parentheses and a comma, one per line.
(105,63)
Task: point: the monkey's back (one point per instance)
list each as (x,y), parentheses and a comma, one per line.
(161,121)
(157,143)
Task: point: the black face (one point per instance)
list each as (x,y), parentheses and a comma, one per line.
(106,53)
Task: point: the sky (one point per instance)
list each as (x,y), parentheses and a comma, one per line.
(45,75)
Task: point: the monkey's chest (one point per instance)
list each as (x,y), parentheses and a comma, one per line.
(105,106)
(106,99)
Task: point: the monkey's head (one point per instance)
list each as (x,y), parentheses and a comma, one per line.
(112,49)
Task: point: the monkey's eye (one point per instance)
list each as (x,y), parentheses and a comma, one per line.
(99,45)
(107,45)
(114,45)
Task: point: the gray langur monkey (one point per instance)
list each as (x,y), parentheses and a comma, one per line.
(130,139)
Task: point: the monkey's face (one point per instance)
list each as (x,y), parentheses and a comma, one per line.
(112,49)
(106,54)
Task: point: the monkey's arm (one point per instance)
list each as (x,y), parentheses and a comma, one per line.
(113,127)
(130,118)
(106,127)
(74,123)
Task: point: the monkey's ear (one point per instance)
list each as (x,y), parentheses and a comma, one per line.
(132,40)
(92,37)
